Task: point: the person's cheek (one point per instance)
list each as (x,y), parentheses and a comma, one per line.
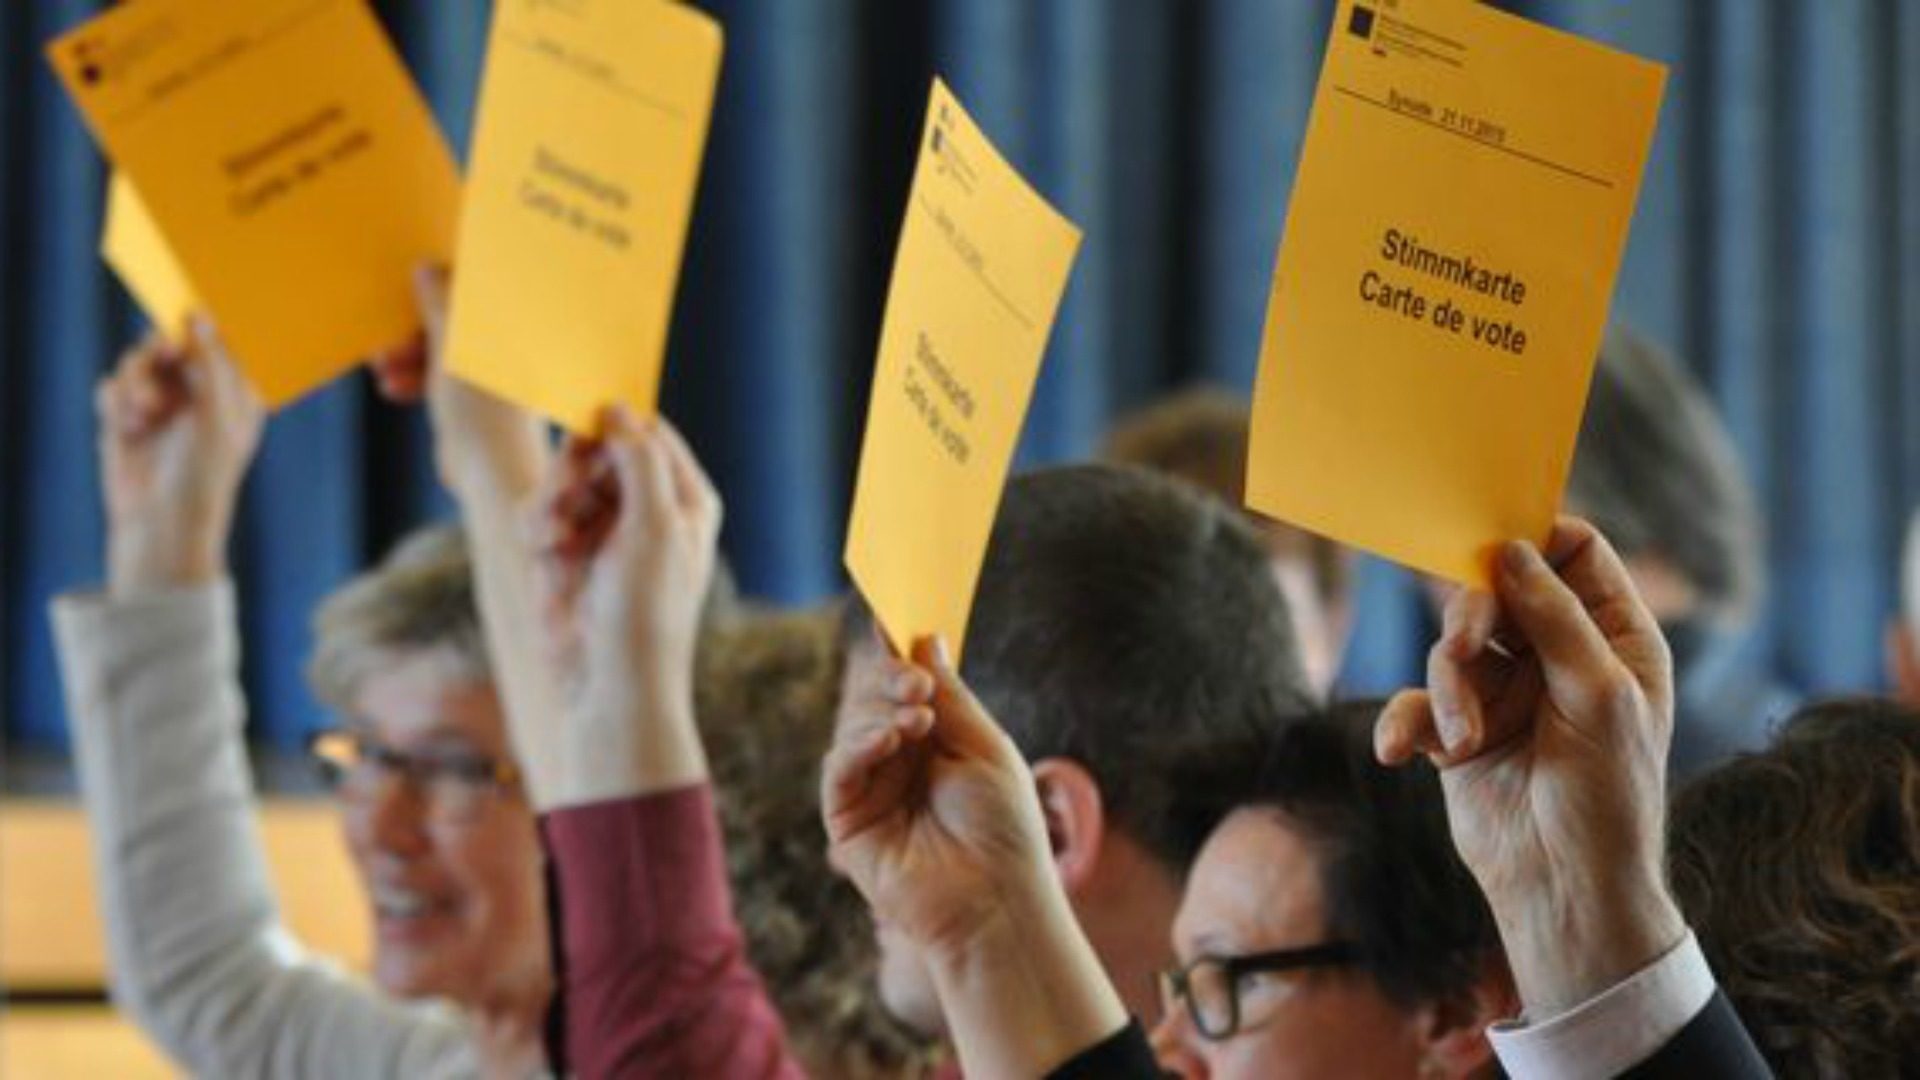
(356,831)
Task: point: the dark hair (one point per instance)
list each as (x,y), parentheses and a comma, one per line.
(1656,471)
(1393,885)
(1799,869)
(1130,624)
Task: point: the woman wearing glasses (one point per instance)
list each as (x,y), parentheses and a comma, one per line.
(434,817)
(1330,929)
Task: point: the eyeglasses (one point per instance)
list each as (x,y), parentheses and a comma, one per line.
(454,787)
(1209,987)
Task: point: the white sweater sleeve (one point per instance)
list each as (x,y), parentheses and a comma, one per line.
(200,959)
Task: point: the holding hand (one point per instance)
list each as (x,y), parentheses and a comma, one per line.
(178,428)
(624,531)
(1549,708)
(933,814)
(930,809)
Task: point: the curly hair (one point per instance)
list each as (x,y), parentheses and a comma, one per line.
(767,688)
(1799,868)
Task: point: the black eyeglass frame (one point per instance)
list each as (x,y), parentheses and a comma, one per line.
(1177,983)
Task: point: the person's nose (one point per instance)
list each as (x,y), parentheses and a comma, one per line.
(396,820)
(1172,1039)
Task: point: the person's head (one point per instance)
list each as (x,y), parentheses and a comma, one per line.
(1657,473)
(1200,435)
(1128,636)
(435,821)
(766,692)
(1329,927)
(1799,869)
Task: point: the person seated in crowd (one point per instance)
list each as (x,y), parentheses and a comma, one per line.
(1548,710)
(1200,435)
(1657,473)
(1130,674)
(1903,636)
(434,817)
(766,684)
(1799,867)
(1329,928)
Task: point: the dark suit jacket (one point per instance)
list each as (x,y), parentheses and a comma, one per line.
(1713,1045)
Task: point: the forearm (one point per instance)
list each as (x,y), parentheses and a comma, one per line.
(509,618)
(1026,993)
(657,982)
(154,700)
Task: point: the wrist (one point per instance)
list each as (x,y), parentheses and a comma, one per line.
(1023,990)
(1567,946)
(143,559)
(618,746)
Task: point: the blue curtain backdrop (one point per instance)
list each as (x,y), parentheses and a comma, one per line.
(1777,246)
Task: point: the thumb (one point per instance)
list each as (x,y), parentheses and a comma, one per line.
(963,723)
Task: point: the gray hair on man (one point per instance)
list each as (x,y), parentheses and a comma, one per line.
(1657,473)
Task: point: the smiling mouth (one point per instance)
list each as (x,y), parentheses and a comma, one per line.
(404,905)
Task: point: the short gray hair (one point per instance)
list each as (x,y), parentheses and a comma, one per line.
(1657,472)
(419,598)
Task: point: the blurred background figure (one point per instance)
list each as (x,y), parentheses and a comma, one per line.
(431,808)
(1658,475)
(1200,435)
(1799,869)
(1903,633)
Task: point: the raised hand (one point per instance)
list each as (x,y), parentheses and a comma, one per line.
(932,813)
(1549,708)
(178,427)
(929,807)
(625,529)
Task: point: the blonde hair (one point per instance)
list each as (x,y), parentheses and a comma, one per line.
(767,691)
(419,598)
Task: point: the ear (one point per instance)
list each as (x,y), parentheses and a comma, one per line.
(1076,818)
(1455,1030)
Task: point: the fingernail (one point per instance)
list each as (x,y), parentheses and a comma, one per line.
(940,654)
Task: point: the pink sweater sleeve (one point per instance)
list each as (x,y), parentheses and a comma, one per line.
(653,972)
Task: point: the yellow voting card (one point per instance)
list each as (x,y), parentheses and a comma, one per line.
(592,121)
(1456,224)
(131,243)
(977,279)
(288,162)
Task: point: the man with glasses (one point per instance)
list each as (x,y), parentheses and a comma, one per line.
(434,817)
(1329,928)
